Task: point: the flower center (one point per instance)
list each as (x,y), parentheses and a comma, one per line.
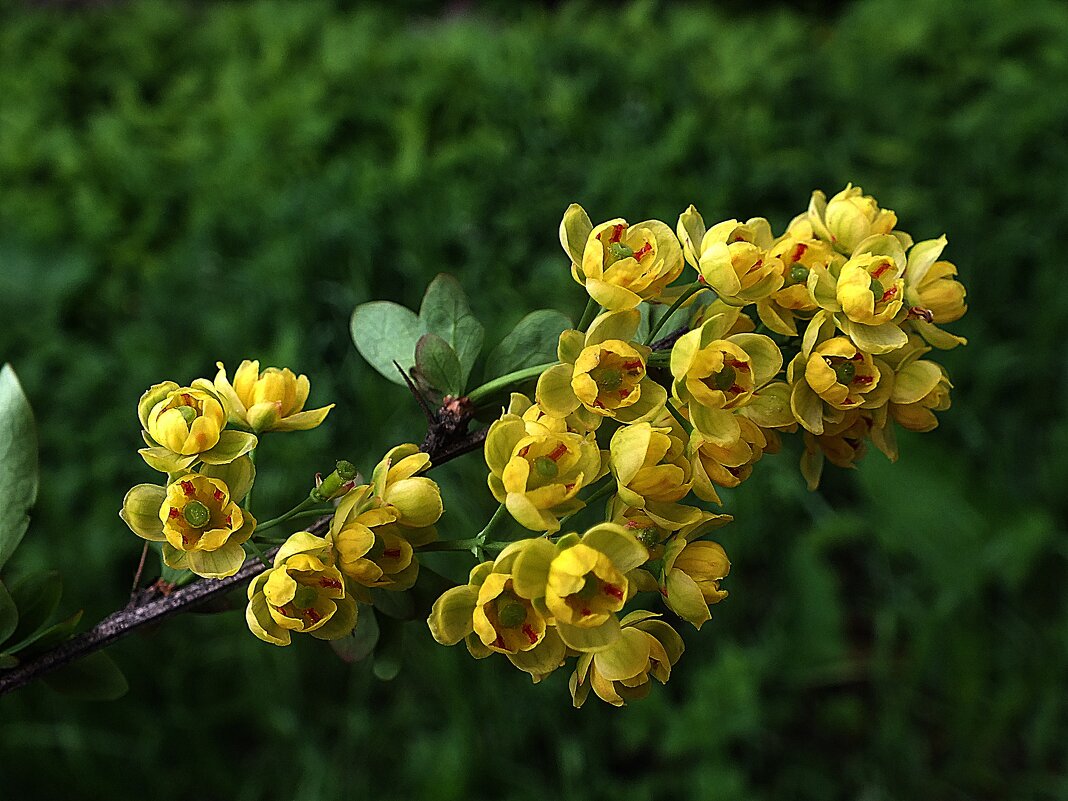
(798,274)
(189,414)
(196,514)
(608,378)
(620,251)
(724,379)
(304,597)
(546,467)
(845,372)
(511,612)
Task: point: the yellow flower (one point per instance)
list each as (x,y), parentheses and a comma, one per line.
(602,372)
(490,617)
(841,374)
(653,471)
(799,252)
(691,577)
(850,217)
(184,425)
(303,592)
(842,443)
(582,581)
(269,401)
(933,293)
(647,648)
(619,264)
(733,258)
(196,519)
(715,375)
(538,467)
(726,466)
(371,547)
(416,499)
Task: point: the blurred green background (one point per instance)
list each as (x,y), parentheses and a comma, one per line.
(184,182)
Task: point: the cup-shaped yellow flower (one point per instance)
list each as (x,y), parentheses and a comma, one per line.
(490,617)
(933,294)
(843,443)
(416,499)
(184,425)
(726,466)
(602,372)
(733,258)
(692,573)
(646,649)
(196,519)
(619,264)
(713,376)
(302,593)
(920,388)
(271,400)
(653,471)
(832,379)
(799,252)
(582,581)
(850,217)
(538,467)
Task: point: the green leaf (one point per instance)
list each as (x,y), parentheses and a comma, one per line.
(361,643)
(436,361)
(49,637)
(532,341)
(398,605)
(94,678)
(385,332)
(390,651)
(445,312)
(18,463)
(36,596)
(9,615)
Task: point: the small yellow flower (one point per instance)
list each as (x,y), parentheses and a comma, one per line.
(302,593)
(619,264)
(538,467)
(416,499)
(799,252)
(184,425)
(646,649)
(849,218)
(733,258)
(715,376)
(842,443)
(716,465)
(933,294)
(196,519)
(272,400)
(602,372)
(582,581)
(653,471)
(692,573)
(489,615)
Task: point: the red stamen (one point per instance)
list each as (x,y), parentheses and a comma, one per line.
(756,266)
(642,251)
(735,389)
(230,520)
(635,365)
(174,512)
(623,393)
(598,405)
(617,233)
(613,590)
(558,451)
(585,612)
(187,487)
(633,524)
(523,451)
(569,487)
(880,270)
(185,538)
(312,616)
(737,365)
(799,251)
(333,583)
(499,642)
(889,294)
(392,553)
(218,495)
(531,634)
(864,379)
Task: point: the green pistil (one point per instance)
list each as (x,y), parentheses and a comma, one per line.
(724,379)
(877,289)
(798,274)
(511,612)
(845,372)
(620,251)
(608,379)
(589,589)
(304,597)
(196,514)
(546,467)
(189,414)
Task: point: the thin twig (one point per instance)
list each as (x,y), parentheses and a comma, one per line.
(137,575)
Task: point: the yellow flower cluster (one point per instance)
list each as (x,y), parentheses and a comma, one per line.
(202,436)
(316,582)
(822,329)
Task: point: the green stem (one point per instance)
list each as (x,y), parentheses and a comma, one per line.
(296,510)
(690,291)
(588,314)
(255,549)
(248,495)
(474,544)
(686,426)
(490,388)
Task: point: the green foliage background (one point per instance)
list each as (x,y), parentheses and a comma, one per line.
(183,182)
